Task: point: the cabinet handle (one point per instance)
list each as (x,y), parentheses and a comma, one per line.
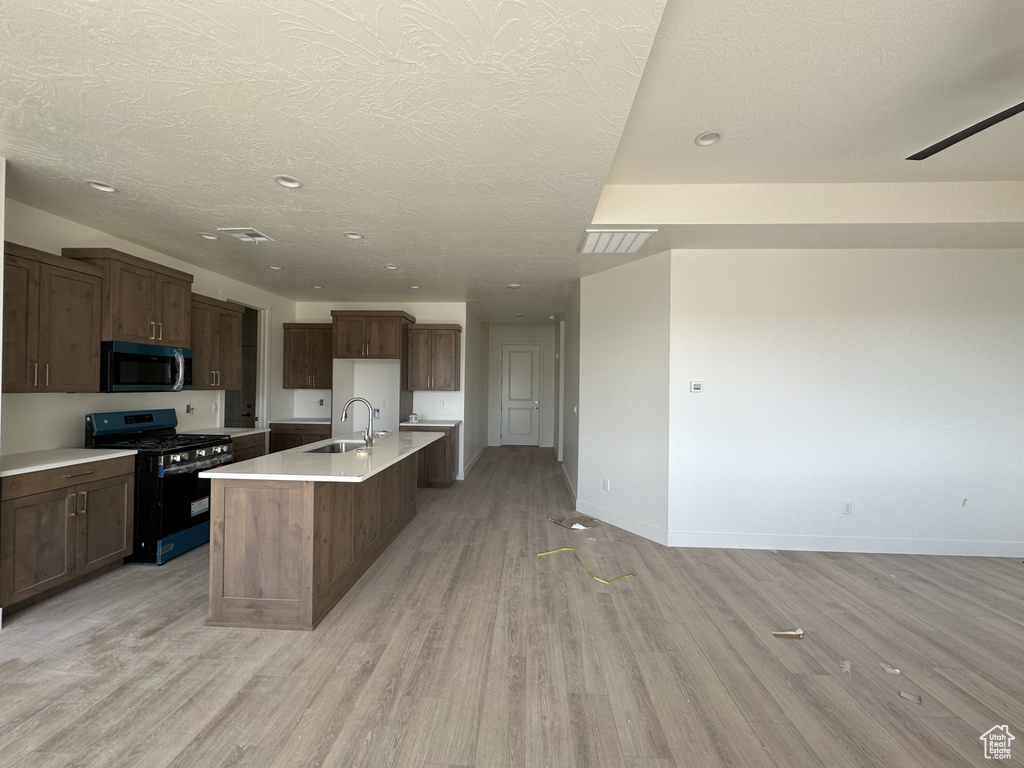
(85,500)
(35,374)
(161,331)
(47,374)
(80,474)
(213,378)
(218,378)
(69,503)
(312,380)
(152,329)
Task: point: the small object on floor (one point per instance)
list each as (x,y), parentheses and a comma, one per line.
(578,523)
(791,634)
(911,697)
(845,667)
(591,575)
(890,670)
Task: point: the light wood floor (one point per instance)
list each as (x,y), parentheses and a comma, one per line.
(460,647)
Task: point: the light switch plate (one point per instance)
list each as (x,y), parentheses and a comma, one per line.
(696,386)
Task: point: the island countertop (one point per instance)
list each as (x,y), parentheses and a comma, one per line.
(299,464)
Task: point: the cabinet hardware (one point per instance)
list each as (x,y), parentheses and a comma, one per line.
(35,374)
(161,331)
(85,500)
(80,474)
(218,378)
(152,329)
(47,374)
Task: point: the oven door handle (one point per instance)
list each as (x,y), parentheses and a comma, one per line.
(196,466)
(179,379)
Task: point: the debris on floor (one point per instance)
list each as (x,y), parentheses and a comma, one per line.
(890,670)
(591,575)
(791,634)
(911,697)
(845,667)
(577,523)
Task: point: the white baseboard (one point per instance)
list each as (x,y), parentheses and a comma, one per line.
(472,463)
(568,481)
(965,547)
(621,521)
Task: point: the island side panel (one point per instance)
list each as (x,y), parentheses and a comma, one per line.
(261,554)
(372,513)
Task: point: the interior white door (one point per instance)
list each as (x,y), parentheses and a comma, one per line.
(520,394)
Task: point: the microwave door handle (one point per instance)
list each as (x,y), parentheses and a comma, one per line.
(179,380)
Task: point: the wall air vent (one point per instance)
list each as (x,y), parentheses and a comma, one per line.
(614,240)
(245,234)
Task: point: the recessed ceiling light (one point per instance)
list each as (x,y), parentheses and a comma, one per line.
(414,286)
(707,138)
(208,236)
(392,267)
(100,186)
(513,286)
(353,236)
(288,181)
(318,287)
(274,266)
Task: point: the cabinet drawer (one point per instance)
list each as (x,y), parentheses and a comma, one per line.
(28,483)
(249,443)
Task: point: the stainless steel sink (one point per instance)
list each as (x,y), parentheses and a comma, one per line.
(338,446)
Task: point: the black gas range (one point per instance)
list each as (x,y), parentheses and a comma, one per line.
(172,503)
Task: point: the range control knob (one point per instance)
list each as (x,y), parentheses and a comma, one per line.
(175,458)
(200,452)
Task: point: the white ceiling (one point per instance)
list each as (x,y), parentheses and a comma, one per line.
(471,140)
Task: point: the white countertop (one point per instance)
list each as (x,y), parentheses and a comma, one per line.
(299,464)
(54,458)
(432,423)
(301,421)
(229,431)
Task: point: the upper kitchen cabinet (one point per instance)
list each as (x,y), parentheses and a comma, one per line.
(143,302)
(308,357)
(434,357)
(216,343)
(51,331)
(370,335)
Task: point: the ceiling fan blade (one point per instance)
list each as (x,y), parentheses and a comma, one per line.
(976,128)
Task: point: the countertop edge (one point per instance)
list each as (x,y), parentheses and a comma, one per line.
(55,458)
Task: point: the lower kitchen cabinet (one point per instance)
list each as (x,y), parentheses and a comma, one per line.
(59,527)
(249,446)
(437,465)
(284,435)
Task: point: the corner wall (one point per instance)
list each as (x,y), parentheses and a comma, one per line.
(571,392)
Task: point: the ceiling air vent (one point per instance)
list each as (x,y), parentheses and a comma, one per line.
(614,240)
(245,234)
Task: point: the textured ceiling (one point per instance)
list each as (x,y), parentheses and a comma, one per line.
(471,140)
(468,139)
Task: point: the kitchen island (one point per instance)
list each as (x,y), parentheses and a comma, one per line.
(292,531)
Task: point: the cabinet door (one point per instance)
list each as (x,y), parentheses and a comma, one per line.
(280,441)
(322,359)
(204,318)
(349,337)
(435,462)
(229,347)
(38,543)
(132,314)
(70,310)
(298,352)
(21,324)
(172,311)
(383,337)
(105,521)
(445,354)
(420,359)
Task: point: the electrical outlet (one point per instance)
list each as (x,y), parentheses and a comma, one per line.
(216,407)
(321,401)
(376,413)
(847,507)
(442,404)
(606,484)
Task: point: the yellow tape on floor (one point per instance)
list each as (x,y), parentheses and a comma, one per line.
(591,575)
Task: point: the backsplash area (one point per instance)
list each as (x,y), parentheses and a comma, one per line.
(39,421)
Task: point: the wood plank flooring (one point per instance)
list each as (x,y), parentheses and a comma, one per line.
(461,647)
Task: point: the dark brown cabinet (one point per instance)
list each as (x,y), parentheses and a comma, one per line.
(290,435)
(59,526)
(374,335)
(437,464)
(249,446)
(308,355)
(434,353)
(143,302)
(51,334)
(216,343)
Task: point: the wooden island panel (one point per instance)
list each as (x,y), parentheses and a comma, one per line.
(283,553)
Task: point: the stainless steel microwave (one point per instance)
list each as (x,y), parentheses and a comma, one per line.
(130,367)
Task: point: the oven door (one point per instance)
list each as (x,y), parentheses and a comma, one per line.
(183,500)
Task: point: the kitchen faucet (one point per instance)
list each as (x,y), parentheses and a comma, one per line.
(368,434)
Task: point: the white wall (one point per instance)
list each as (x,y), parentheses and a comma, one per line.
(545,334)
(624,396)
(54,420)
(571,392)
(891,380)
